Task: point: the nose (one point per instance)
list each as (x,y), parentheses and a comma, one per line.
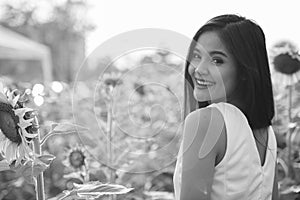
(201,67)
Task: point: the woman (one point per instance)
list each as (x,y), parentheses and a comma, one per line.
(228,151)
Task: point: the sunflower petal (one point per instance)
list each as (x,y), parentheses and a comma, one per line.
(10,153)
(28,135)
(3,97)
(25,123)
(5,144)
(21,111)
(28,151)
(15,100)
(10,96)
(1,88)
(21,154)
(2,136)
(2,142)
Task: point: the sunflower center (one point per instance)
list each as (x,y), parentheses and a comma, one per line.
(9,123)
(285,64)
(112,82)
(76,159)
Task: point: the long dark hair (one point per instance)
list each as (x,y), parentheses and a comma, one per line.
(246,42)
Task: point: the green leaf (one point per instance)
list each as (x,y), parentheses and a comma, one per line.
(38,167)
(160,195)
(47,158)
(24,170)
(92,190)
(76,175)
(32,168)
(67,128)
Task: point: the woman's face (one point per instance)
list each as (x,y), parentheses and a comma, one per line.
(212,68)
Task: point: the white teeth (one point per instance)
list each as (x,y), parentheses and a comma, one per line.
(205,83)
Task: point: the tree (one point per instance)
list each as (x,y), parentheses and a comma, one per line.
(63,28)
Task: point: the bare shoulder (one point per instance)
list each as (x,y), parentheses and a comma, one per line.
(205,116)
(206,129)
(204,122)
(199,152)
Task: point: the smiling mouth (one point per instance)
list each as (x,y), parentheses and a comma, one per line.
(203,83)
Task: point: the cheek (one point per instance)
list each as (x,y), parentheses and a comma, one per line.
(230,82)
(191,70)
(226,82)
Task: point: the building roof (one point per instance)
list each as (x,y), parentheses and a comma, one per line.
(15,46)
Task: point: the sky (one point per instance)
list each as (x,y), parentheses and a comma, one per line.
(278,19)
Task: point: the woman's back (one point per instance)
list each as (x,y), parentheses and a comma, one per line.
(239,175)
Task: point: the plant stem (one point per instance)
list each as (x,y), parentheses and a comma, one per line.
(109,147)
(87,175)
(289,142)
(40,191)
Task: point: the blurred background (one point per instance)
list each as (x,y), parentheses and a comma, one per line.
(54,49)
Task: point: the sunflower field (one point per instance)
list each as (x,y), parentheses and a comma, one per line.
(106,127)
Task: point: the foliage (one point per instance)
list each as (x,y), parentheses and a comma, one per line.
(285,58)
(31,169)
(146,118)
(93,190)
(139,136)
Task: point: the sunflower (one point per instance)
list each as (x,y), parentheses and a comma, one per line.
(112,79)
(17,127)
(140,89)
(76,158)
(108,82)
(286,61)
(286,64)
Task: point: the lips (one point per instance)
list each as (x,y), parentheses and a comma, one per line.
(203,82)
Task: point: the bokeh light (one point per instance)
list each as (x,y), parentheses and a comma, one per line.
(57,86)
(37,89)
(38,100)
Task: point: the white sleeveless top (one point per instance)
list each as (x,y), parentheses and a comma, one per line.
(239,175)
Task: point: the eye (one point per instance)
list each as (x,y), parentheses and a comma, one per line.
(217,61)
(196,56)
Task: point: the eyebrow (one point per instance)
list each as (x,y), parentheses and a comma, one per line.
(218,52)
(212,52)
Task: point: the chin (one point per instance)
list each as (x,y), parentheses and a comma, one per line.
(201,97)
